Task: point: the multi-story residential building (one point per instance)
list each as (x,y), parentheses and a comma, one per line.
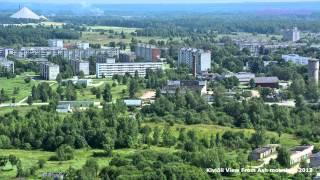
(110,51)
(40,52)
(196,59)
(83,45)
(127,56)
(4,52)
(313,70)
(6,66)
(103,58)
(110,69)
(291,35)
(55,43)
(148,52)
(294,58)
(79,65)
(49,71)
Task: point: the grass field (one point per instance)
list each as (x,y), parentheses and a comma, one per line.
(86,94)
(24,88)
(30,158)
(114,28)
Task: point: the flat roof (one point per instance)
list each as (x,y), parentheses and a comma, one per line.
(263,80)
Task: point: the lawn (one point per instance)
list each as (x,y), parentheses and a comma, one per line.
(24,88)
(30,158)
(116,29)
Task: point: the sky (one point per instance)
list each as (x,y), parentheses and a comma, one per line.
(147,1)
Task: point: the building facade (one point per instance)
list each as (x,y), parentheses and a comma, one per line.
(148,52)
(49,71)
(313,70)
(83,45)
(79,65)
(55,43)
(185,86)
(294,58)
(127,56)
(197,60)
(291,35)
(300,153)
(6,66)
(110,69)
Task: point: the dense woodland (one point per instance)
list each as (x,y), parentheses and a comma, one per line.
(25,36)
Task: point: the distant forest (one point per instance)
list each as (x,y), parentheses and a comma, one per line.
(24,36)
(178,25)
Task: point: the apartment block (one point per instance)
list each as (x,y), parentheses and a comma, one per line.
(110,69)
(148,52)
(55,43)
(79,65)
(49,71)
(197,60)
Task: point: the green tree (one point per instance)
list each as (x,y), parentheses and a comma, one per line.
(65,153)
(107,96)
(283,157)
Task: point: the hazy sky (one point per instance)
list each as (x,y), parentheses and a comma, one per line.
(147,1)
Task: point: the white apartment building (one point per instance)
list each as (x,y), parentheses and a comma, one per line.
(55,43)
(40,52)
(110,69)
(294,58)
(79,65)
(49,71)
(291,35)
(111,51)
(83,45)
(196,59)
(4,52)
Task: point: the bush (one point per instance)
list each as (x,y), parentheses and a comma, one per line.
(65,153)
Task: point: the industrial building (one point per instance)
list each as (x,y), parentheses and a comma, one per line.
(271,82)
(300,153)
(49,71)
(296,59)
(79,65)
(110,69)
(55,43)
(196,59)
(148,52)
(243,77)
(313,70)
(291,35)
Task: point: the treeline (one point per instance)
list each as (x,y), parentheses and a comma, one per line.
(186,25)
(37,36)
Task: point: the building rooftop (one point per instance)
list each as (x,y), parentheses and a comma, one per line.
(133,102)
(261,150)
(262,80)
